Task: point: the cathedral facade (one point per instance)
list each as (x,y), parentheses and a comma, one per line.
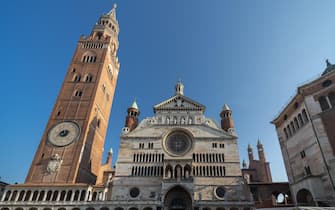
(177,159)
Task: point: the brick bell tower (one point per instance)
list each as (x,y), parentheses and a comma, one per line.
(71,147)
(227,122)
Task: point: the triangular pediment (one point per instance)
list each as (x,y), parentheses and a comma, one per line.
(179,103)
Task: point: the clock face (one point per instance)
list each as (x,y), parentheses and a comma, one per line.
(63,133)
(178,143)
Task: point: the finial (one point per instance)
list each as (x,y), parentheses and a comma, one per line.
(328,63)
(113,10)
(179,88)
(134,105)
(259,142)
(249,146)
(225,108)
(111,150)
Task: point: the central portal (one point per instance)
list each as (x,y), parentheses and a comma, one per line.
(177,199)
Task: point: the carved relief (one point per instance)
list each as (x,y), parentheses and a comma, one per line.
(54,164)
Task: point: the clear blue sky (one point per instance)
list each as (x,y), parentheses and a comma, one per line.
(249,54)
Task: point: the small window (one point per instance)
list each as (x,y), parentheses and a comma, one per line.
(331,97)
(326,83)
(214,145)
(286,134)
(73,70)
(221,145)
(78,93)
(323,103)
(292,127)
(296,124)
(289,130)
(296,105)
(88,78)
(308,170)
(304,115)
(302,154)
(98,123)
(103,87)
(301,122)
(76,78)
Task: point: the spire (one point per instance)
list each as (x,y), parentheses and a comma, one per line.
(134,105)
(225,107)
(260,148)
(107,25)
(250,153)
(179,88)
(112,12)
(244,164)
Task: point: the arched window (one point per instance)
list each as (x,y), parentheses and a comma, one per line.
(301,121)
(304,116)
(88,78)
(76,78)
(8,193)
(110,71)
(289,130)
(69,195)
(296,124)
(89,57)
(13,195)
(40,197)
(76,195)
(27,195)
(292,127)
(54,196)
(286,134)
(78,93)
(62,195)
(35,194)
(48,198)
(331,97)
(323,103)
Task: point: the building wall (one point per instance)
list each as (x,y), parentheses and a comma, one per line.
(307,149)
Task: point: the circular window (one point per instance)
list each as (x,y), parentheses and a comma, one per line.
(220,192)
(178,143)
(326,83)
(134,192)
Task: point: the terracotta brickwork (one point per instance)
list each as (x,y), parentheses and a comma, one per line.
(85,98)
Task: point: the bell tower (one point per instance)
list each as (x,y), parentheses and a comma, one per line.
(71,148)
(132,117)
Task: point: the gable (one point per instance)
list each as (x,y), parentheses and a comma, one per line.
(179,103)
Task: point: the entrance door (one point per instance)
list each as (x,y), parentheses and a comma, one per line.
(178,199)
